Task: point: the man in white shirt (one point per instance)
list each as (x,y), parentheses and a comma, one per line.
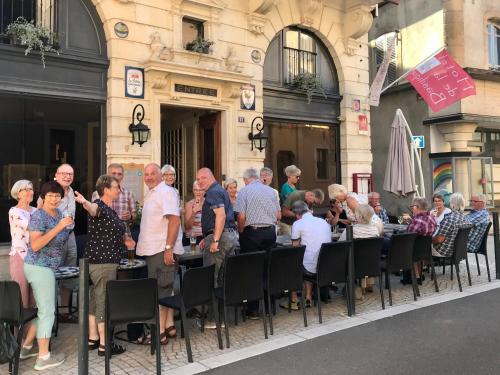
(160,240)
(311,232)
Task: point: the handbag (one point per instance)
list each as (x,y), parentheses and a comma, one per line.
(8,344)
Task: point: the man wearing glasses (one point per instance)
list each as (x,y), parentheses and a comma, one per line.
(124,205)
(479,217)
(374,201)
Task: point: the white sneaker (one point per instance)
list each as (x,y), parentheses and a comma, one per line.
(54,360)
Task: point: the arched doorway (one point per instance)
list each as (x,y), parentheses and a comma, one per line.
(302,131)
(53,114)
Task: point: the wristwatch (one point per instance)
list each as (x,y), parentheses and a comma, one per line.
(168,247)
(215,241)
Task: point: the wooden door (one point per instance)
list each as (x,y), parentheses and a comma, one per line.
(209,144)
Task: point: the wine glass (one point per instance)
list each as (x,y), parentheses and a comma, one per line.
(400,219)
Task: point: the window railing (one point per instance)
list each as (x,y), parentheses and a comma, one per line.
(42,12)
(298,61)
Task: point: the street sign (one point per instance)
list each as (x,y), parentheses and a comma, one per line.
(418,141)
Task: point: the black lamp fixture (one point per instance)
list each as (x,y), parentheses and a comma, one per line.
(140,132)
(258,140)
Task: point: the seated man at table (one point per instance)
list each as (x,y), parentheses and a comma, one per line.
(374,202)
(479,218)
(444,239)
(424,224)
(311,232)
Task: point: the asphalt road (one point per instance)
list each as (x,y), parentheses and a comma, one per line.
(452,338)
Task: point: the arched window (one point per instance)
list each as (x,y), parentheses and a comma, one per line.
(296,51)
(493,45)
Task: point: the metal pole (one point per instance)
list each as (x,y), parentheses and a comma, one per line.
(496,243)
(83,318)
(350,280)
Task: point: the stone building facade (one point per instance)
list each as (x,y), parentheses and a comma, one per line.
(75,109)
(467,129)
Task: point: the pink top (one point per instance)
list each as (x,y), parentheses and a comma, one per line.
(19,220)
(160,201)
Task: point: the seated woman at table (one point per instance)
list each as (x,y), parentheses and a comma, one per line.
(363,228)
(48,234)
(106,235)
(192,214)
(439,210)
(350,202)
(336,214)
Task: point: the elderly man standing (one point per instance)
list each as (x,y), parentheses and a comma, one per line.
(218,227)
(64,176)
(444,239)
(311,197)
(124,205)
(258,211)
(374,201)
(160,241)
(311,232)
(479,218)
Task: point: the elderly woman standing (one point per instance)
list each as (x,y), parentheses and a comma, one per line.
(231,186)
(19,218)
(106,237)
(48,234)
(444,238)
(192,213)
(293,174)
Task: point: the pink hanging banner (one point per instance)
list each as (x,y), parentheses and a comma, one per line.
(441,81)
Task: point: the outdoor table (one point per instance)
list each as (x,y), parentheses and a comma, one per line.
(125,265)
(389,229)
(190,258)
(63,273)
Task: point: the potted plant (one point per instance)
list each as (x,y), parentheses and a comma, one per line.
(33,37)
(308,83)
(200,45)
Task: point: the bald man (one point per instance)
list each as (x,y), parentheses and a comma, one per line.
(160,241)
(217,224)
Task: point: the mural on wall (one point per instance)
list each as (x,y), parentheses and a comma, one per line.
(442,177)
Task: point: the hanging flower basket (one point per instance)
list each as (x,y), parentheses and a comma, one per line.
(35,38)
(200,45)
(308,83)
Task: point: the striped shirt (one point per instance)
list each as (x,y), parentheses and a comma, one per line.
(479,220)
(259,204)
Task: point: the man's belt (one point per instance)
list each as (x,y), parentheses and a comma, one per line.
(260,226)
(211,231)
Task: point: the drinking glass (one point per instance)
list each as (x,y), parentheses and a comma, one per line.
(400,219)
(192,242)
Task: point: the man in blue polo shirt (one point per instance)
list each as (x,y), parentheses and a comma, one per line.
(217,223)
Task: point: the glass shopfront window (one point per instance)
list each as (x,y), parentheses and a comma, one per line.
(37,136)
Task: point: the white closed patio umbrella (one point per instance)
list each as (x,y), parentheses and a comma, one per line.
(399,171)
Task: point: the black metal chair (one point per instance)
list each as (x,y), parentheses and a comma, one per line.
(332,268)
(459,254)
(197,289)
(422,251)
(14,315)
(400,258)
(129,301)
(285,274)
(243,282)
(483,250)
(367,253)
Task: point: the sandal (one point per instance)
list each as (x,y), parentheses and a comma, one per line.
(115,350)
(168,332)
(146,339)
(93,344)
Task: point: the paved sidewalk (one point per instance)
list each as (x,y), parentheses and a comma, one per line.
(249,334)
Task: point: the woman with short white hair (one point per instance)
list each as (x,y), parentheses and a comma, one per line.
(293,174)
(168,174)
(19,219)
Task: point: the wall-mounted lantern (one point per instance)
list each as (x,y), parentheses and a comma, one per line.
(140,132)
(258,140)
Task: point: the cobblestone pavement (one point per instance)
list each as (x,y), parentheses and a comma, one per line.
(137,359)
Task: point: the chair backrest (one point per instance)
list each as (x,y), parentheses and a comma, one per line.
(400,254)
(243,277)
(460,244)
(11,305)
(332,262)
(284,269)
(131,300)
(81,243)
(367,256)
(484,243)
(422,249)
(197,286)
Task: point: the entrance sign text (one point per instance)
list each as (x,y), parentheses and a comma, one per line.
(195,90)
